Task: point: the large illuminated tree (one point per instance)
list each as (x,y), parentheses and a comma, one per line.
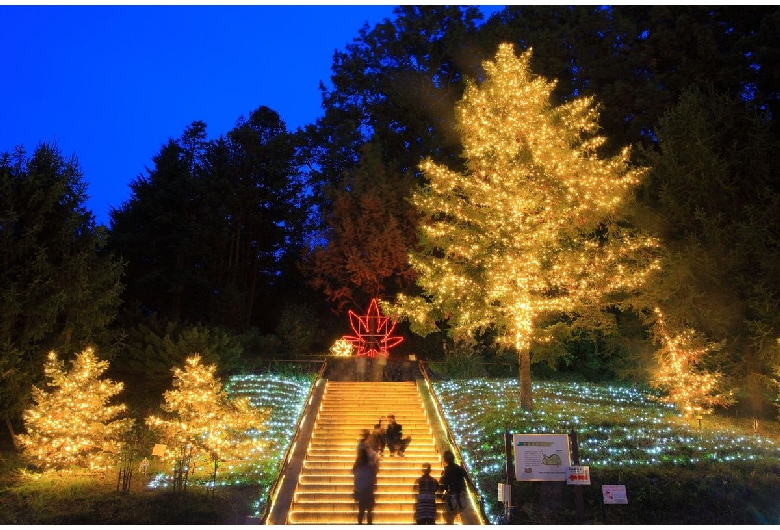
(530,229)
(202,420)
(74,424)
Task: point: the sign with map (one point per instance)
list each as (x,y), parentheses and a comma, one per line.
(541,457)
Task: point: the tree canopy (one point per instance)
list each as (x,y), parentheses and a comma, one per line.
(207,232)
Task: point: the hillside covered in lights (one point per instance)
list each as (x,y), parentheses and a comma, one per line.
(624,434)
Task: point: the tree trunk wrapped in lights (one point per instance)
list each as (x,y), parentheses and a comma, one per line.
(530,229)
(203,422)
(73,425)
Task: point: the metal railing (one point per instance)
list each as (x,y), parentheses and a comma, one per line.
(453,444)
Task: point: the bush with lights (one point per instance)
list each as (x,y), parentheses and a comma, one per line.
(73,424)
(203,424)
(680,375)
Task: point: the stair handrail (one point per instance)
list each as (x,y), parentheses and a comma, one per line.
(285,461)
(451,441)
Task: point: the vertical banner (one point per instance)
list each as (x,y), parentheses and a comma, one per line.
(541,456)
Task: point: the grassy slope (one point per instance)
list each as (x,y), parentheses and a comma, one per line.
(675,472)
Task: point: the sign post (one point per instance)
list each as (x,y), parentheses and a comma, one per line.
(505,490)
(577,475)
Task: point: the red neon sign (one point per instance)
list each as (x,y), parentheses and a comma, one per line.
(372,332)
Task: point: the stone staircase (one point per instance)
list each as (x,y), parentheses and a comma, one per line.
(323,494)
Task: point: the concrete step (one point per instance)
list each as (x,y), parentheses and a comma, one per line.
(346,488)
(349,516)
(329,480)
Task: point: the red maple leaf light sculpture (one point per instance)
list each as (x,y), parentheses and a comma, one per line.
(372,332)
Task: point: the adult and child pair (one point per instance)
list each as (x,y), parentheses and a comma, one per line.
(452,483)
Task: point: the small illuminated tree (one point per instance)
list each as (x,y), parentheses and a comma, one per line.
(530,228)
(202,421)
(680,372)
(73,424)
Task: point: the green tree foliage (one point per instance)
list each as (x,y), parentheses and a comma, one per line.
(361,253)
(530,228)
(155,231)
(261,210)
(56,291)
(153,345)
(714,196)
(396,84)
(209,232)
(299,331)
(73,424)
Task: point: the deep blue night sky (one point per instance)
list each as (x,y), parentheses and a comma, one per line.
(111,84)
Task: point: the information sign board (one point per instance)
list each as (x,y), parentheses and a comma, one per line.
(614,494)
(541,457)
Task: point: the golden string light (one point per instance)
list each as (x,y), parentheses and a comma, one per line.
(688,386)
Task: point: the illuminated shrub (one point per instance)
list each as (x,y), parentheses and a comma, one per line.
(73,424)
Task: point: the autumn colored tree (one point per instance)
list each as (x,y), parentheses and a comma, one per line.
(202,421)
(529,229)
(368,227)
(73,424)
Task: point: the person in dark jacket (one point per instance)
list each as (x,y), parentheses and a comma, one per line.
(453,483)
(365,442)
(426,487)
(364,471)
(394,437)
(377,439)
